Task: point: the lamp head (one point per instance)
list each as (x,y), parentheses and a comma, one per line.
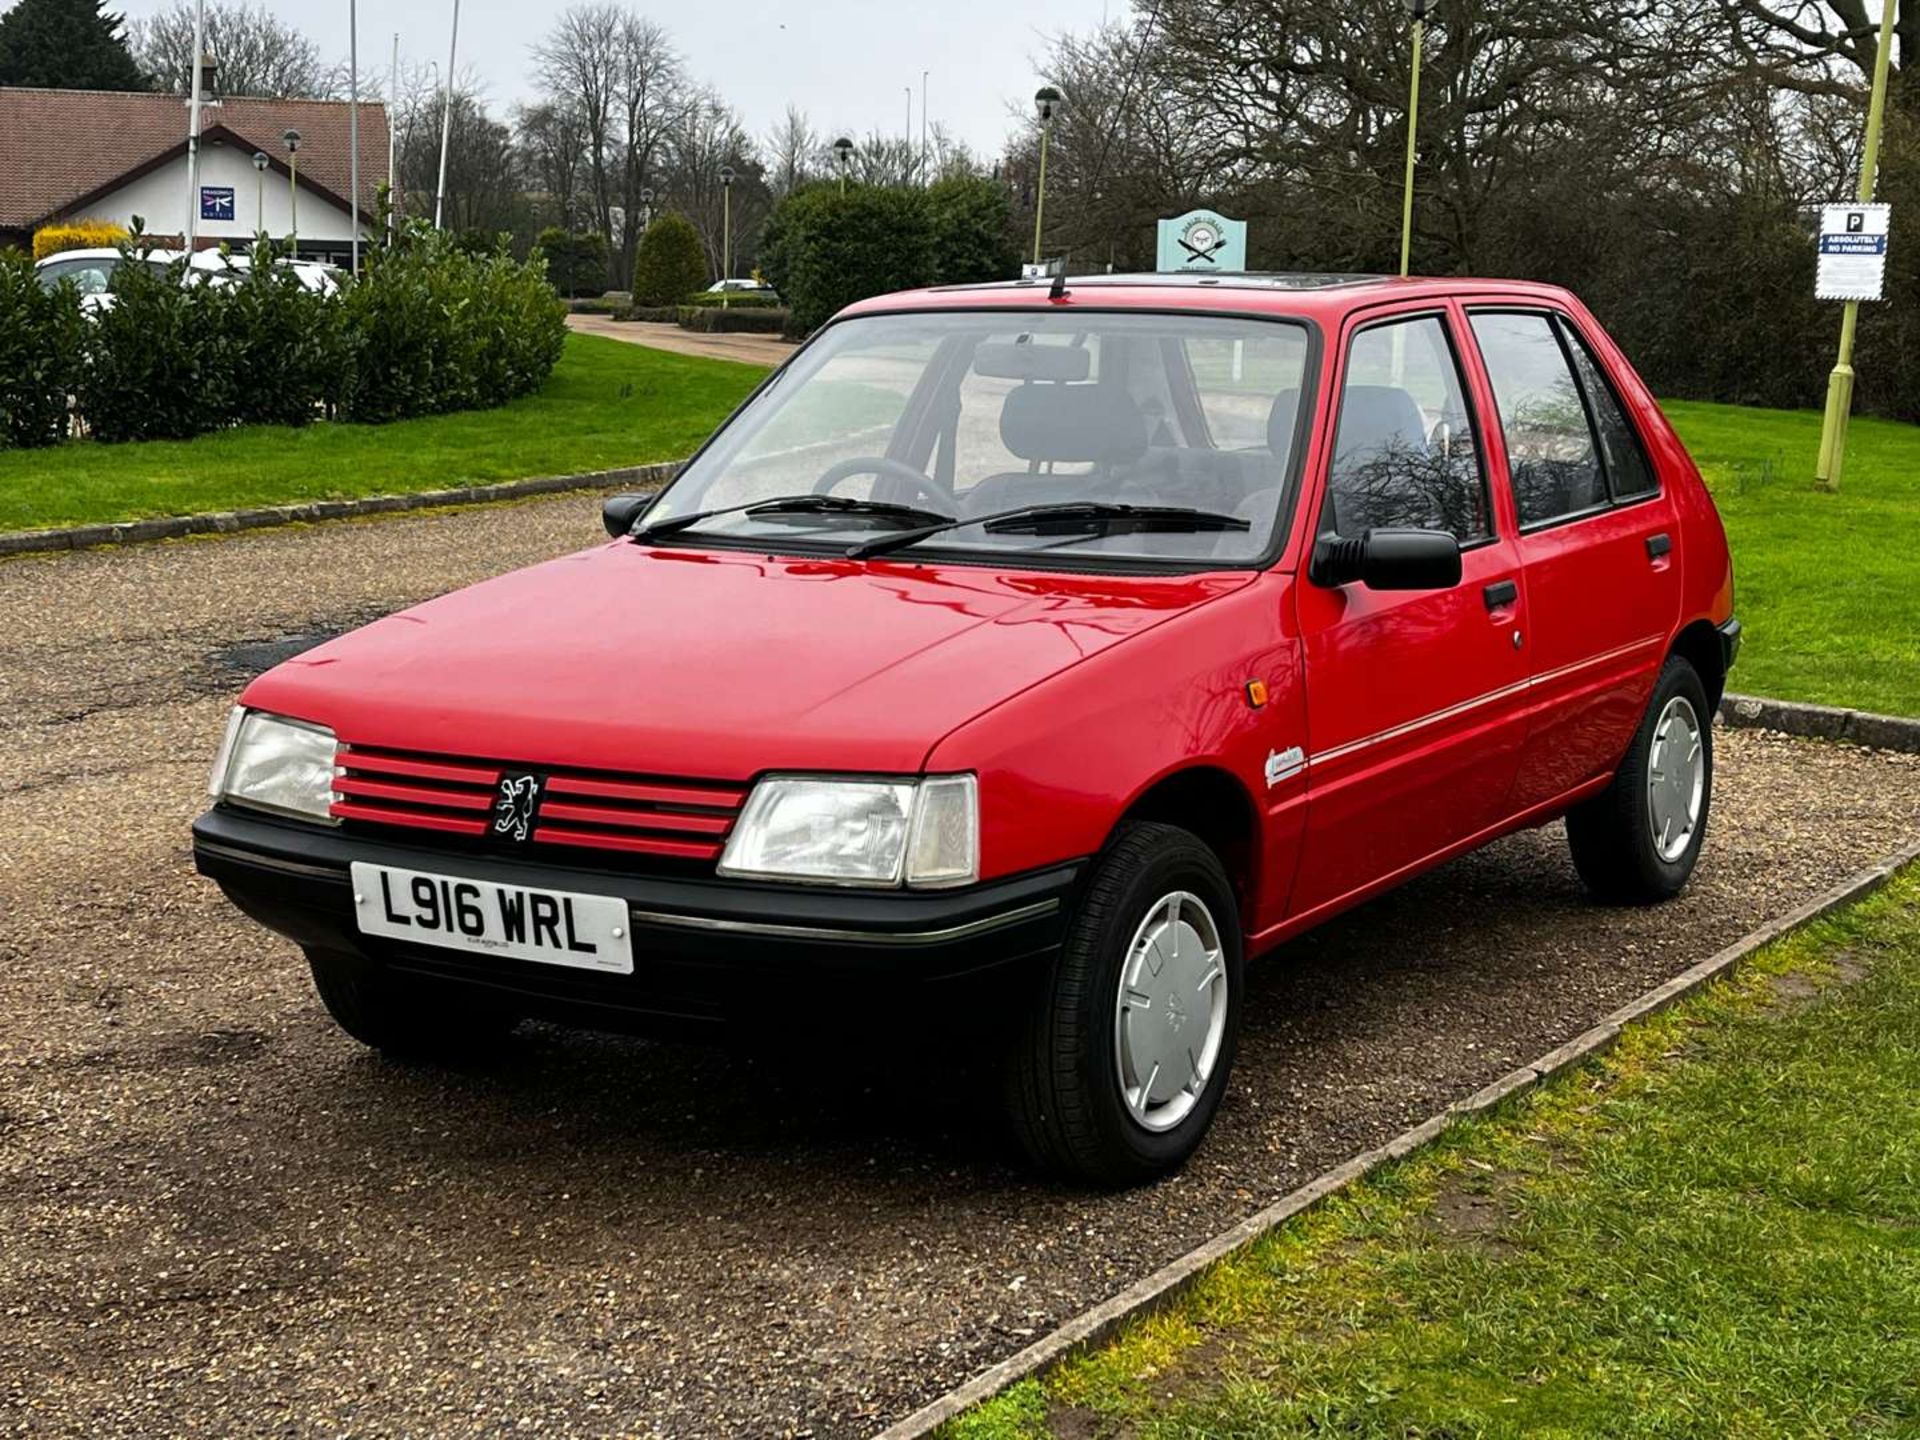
(260,161)
(1047,102)
(291,138)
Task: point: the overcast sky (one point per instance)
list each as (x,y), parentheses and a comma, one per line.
(847,63)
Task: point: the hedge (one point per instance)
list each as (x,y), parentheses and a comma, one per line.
(735,299)
(427,327)
(748,319)
(76,235)
(651,314)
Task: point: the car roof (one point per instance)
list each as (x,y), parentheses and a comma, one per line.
(102,253)
(1323,296)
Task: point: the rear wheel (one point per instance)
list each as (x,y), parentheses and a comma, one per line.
(1121,1067)
(1637,841)
(400,1017)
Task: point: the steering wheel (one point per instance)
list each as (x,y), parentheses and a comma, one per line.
(882,465)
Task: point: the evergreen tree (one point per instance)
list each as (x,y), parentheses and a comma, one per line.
(65,44)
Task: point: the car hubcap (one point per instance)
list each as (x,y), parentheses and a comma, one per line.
(1171,1013)
(1676,778)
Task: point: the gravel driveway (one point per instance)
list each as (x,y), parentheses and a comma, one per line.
(221,1217)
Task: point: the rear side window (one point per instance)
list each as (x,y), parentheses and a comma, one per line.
(1551,455)
(1627,465)
(1404,454)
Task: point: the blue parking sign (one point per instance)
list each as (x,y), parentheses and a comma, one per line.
(216,202)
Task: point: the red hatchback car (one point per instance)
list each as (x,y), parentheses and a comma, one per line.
(1078,640)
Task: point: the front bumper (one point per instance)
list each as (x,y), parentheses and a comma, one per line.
(705,951)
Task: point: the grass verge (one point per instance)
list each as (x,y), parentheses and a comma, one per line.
(1828,586)
(1713,1230)
(607,404)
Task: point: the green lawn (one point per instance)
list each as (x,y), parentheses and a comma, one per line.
(1712,1231)
(607,404)
(1828,586)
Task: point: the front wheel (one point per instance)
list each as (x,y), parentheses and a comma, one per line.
(1636,842)
(1122,1065)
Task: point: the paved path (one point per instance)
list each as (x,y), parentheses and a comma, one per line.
(220,1217)
(750,349)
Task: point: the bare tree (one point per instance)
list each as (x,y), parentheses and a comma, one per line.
(654,103)
(552,139)
(257,54)
(579,66)
(793,153)
(711,140)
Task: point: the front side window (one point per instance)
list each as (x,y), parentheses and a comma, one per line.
(89,277)
(1404,454)
(1551,456)
(965,416)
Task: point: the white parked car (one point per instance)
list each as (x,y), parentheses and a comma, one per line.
(743,287)
(92,271)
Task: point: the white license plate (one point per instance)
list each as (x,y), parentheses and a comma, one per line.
(554,927)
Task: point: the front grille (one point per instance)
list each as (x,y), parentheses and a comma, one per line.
(643,815)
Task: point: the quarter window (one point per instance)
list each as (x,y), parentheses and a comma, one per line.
(1404,454)
(1627,465)
(1551,457)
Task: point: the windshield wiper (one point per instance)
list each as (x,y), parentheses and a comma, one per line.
(1096,517)
(796,505)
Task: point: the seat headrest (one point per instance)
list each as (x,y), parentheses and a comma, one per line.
(1376,420)
(1282,419)
(1073,423)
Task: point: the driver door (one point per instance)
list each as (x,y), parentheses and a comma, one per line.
(1415,699)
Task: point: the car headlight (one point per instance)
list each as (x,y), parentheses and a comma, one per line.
(272,763)
(924,833)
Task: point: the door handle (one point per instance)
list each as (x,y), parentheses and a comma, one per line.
(1500,594)
(1659,545)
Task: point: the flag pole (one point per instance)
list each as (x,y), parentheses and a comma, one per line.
(353,130)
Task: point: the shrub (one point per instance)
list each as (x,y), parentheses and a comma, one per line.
(748,319)
(289,346)
(823,250)
(435,328)
(159,364)
(972,231)
(576,261)
(670,263)
(76,235)
(40,337)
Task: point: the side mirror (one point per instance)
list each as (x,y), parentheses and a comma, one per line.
(1388,560)
(618,512)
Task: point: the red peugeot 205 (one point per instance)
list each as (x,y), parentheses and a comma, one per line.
(1078,639)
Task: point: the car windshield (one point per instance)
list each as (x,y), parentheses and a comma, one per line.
(974,414)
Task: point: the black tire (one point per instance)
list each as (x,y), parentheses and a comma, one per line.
(1612,835)
(402,1019)
(1063,1087)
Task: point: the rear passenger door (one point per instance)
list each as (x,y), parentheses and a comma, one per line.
(1415,699)
(1596,545)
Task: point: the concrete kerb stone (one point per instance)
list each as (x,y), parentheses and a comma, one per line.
(229,522)
(1155,1291)
(1822,722)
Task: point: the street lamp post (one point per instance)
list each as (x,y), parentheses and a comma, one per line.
(843,153)
(291,139)
(260,163)
(1418,9)
(1833,426)
(1046,102)
(646,208)
(727,178)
